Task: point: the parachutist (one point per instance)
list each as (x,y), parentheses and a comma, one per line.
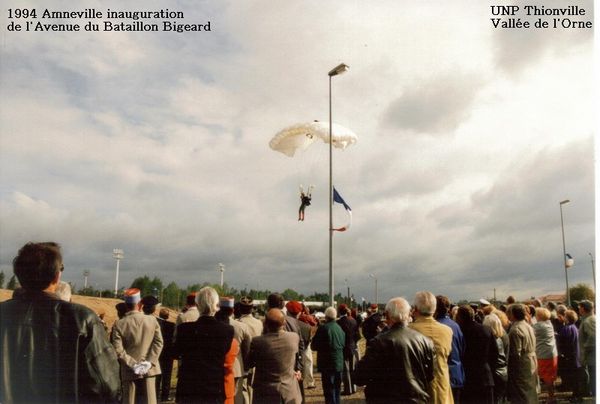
(305,199)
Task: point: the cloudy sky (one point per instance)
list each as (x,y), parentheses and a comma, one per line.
(157,143)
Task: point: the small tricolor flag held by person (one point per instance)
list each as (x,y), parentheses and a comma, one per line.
(338,198)
(569,261)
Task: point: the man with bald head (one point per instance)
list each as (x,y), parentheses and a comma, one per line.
(273,355)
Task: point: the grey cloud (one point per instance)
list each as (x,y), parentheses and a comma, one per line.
(393,171)
(527,196)
(516,224)
(433,106)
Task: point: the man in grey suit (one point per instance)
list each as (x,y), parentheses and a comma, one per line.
(273,355)
(138,342)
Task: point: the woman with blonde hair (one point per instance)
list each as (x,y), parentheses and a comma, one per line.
(503,319)
(501,368)
(545,349)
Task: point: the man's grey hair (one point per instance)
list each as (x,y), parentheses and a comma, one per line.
(398,310)
(63,291)
(207,300)
(330,313)
(425,302)
(561,309)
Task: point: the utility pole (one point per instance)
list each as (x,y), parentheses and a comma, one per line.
(562,227)
(118,255)
(221,268)
(593,270)
(349,301)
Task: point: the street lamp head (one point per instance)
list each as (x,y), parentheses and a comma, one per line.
(565,201)
(372,276)
(118,254)
(339,70)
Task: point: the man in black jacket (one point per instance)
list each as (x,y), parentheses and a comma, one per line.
(480,358)
(207,349)
(398,364)
(372,324)
(350,329)
(167,328)
(52,351)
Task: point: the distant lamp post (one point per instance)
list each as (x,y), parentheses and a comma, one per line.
(348,290)
(118,254)
(376,289)
(339,69)
(593,269)
(562,226)
(86,273)
(221,268)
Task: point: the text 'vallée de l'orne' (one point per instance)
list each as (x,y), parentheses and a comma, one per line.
(513,11)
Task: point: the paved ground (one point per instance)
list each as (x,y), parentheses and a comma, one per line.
(315,396)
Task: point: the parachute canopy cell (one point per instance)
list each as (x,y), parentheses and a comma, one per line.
(299,137)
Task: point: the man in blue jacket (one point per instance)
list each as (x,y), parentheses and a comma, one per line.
(457,372)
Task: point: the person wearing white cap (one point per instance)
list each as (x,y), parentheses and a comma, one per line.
(138,342)
(63,290)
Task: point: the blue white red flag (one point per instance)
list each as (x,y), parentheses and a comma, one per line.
(569,261)
(338,199)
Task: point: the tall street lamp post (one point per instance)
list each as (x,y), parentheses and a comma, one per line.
(118,254)
(376,289)
(221,268)
(562,226)
(334,72)
(593,270)
(348,301)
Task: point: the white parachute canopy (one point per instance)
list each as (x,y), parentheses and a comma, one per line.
(299,137)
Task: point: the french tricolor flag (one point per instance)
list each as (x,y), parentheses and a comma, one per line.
(569,261)
(338,198)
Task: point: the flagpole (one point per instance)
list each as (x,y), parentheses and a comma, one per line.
(562,226)
(341,68)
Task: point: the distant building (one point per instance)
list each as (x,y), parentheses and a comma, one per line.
(556,298)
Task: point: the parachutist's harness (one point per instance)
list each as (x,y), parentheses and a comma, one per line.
(304,202)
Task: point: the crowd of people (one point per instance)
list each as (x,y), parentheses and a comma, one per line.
(428,352)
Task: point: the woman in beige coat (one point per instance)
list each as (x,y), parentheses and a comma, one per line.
(522,362)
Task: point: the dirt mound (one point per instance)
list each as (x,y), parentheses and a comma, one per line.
(97,304)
